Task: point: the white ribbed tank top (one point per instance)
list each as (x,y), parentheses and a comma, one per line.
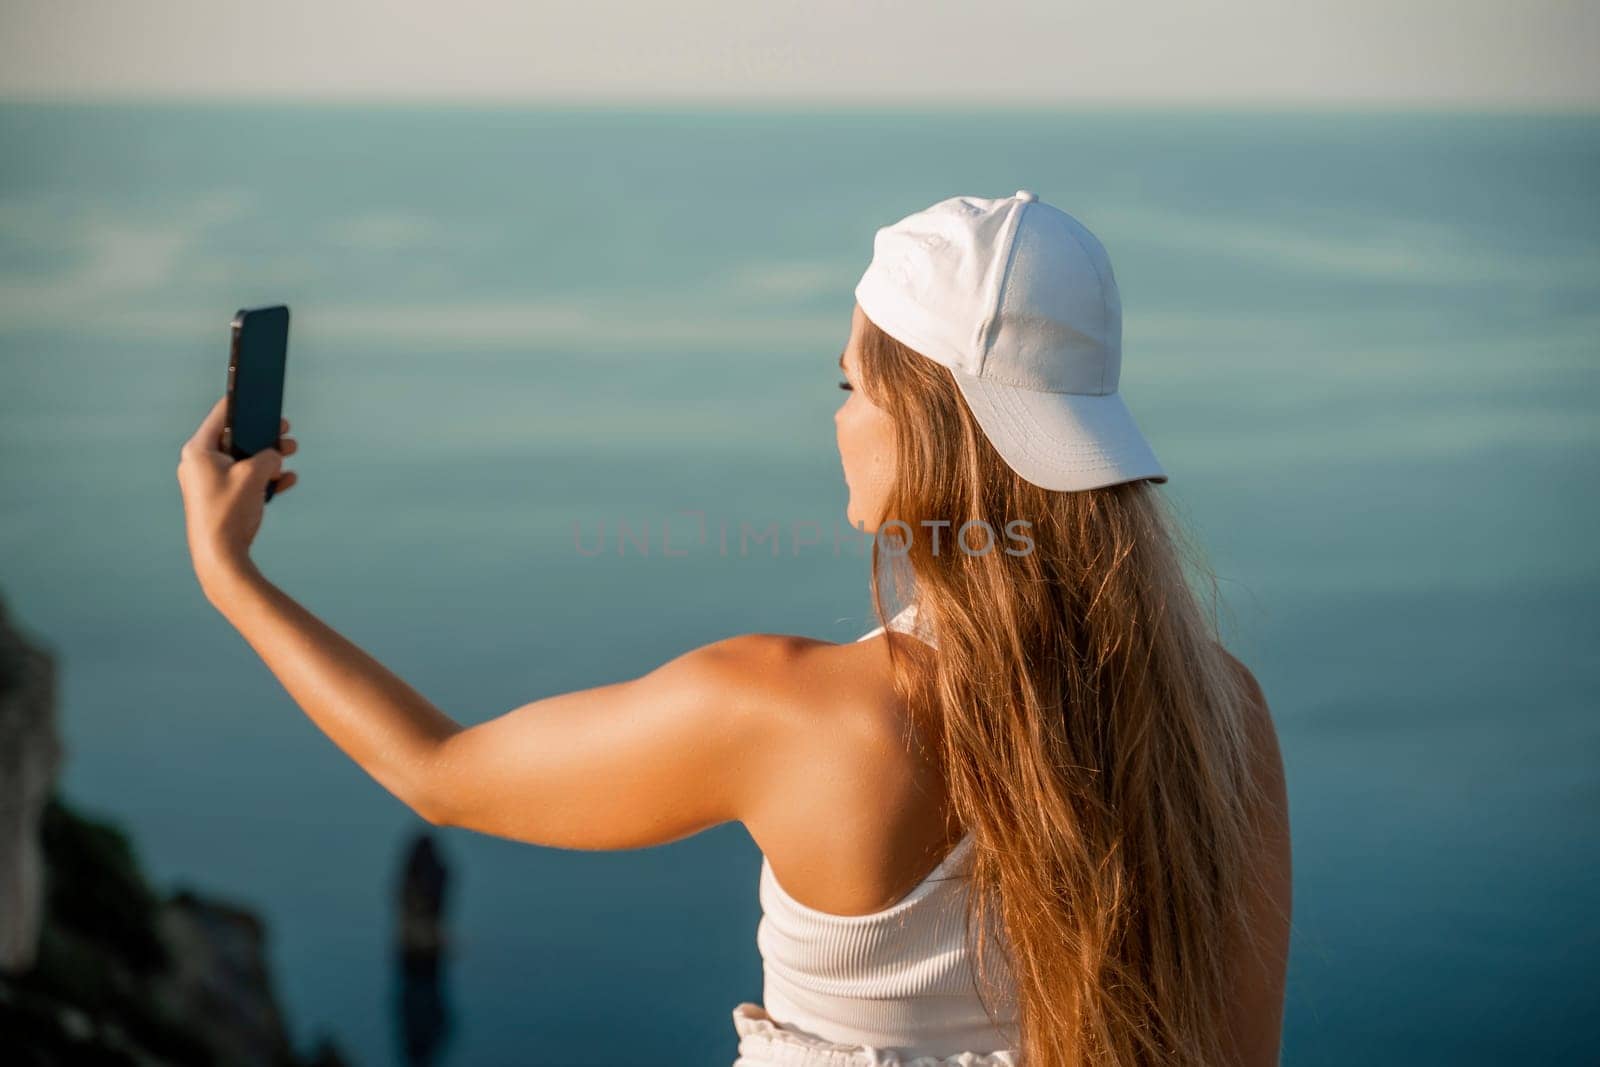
(899,978)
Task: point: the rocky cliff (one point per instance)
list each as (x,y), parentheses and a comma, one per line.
(96,967)
(30,756)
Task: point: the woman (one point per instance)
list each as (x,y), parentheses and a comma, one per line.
(1038,817)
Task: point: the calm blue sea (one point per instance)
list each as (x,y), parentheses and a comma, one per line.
(1367,348)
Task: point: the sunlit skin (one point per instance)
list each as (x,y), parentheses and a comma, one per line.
(866,439)
(802,741)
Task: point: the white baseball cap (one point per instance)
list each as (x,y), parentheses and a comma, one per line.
(1016,297)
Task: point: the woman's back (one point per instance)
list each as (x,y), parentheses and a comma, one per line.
(859,815)
(896,977)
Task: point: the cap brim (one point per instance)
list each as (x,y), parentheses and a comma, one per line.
(1062,441)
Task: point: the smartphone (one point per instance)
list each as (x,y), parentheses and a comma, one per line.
(256,360)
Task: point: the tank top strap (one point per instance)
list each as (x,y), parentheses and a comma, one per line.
(954,862)
(908,621)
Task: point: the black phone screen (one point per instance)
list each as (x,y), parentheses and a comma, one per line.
(255,406)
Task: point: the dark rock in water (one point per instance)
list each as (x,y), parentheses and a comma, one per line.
(95,967)
(422,1012)
(423,883)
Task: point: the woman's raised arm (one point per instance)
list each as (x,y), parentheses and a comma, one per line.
(636,763)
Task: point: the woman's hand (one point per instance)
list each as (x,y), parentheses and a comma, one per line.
(223,498)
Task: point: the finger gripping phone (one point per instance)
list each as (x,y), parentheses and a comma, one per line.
(257,357)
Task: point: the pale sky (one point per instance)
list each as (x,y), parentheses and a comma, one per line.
(1514,53)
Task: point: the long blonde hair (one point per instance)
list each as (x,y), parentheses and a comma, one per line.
(1091,731)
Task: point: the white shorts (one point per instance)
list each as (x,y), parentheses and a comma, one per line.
(764,1042)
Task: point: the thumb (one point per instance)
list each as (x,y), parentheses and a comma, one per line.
(260,468)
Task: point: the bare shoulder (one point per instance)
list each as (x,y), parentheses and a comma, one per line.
(840,769)
(787,672)
(1266,758)
(1247,678)
(801,698)
(753,666)
(777,674)
(1256,1016)
(1258,719)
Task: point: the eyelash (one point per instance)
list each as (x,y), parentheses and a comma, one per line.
(846,386)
